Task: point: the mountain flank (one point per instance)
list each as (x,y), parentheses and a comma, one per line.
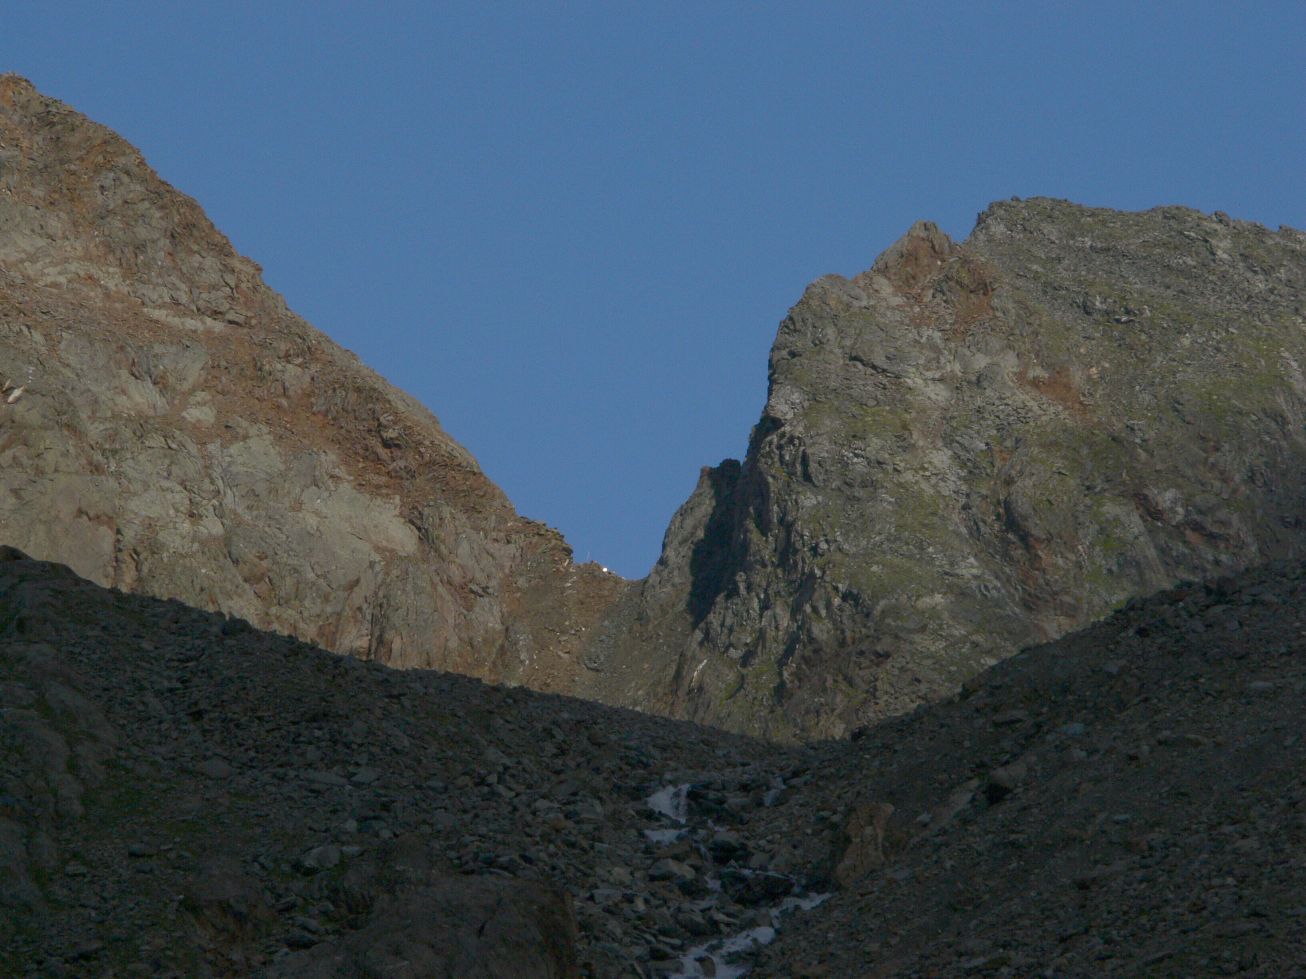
(182,795)
(975,447)
(174,429)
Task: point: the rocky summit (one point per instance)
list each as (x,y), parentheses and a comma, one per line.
(1014,555)
(974,447)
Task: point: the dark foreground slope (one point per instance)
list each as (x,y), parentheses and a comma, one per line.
(1130,800)
(974,447)
(168,426)
(182,795)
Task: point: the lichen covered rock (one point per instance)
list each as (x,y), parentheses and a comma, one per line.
(974,447)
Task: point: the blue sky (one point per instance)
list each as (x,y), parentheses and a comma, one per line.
(571,229)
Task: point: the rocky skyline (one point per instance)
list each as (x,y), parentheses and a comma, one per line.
(577,254)
(983,660)
(974,447)
(967,449)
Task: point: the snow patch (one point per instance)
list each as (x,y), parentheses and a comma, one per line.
(724,952)
(664,837)
(671,801)
(721,951)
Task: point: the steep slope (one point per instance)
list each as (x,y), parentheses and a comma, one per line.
(179,432)
(181,795)
(973,447)
(1127,801)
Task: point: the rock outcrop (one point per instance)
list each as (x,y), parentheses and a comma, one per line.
(169,426)
(974,447)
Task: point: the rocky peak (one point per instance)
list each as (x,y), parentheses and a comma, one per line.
(915,258)
(966,448)
(181,433)
(969,448)
(78,202)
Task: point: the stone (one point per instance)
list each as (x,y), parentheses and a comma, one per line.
(478,928)
(321,857)
(225,902)
(1003,780)
(325,778)
(862,843)
(215,768)
(725,847)
(605,896)
(752,887)
(672,870)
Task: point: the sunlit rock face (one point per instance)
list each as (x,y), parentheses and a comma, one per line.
(973,447)
(181,433)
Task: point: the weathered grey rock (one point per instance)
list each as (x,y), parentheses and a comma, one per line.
(215,768)
(181,433)
(973,447)
(1003,780)
(755,886)
(225,903)
(672,870)
(726,846)
(862,844)
(458,927)
(321,857)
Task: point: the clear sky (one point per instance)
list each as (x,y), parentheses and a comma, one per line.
(572,228)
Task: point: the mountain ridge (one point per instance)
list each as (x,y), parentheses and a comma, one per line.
(967,448)
(973,447)
(184,434)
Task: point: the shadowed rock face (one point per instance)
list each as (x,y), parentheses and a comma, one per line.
(181,796)
(974,447)
(182,433)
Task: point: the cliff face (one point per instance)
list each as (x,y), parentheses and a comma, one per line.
(974,447)
(181,433)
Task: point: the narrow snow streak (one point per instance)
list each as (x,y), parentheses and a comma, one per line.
(721,951)
(671,801)
(664,837)
(721,955)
